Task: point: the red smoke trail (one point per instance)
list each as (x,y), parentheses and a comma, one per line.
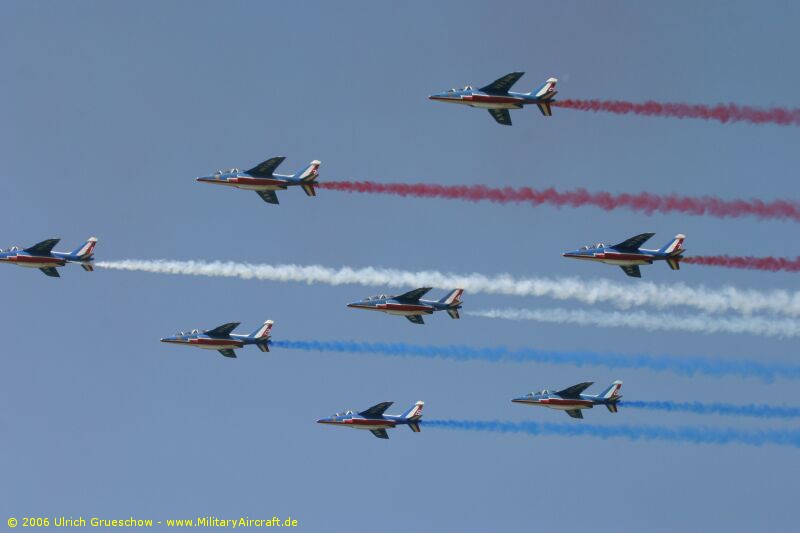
(772,264)
(722,112)
(644,202)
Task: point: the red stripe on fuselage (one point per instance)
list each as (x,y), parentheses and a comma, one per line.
(369,422)
(217,342)
(486,99)
(243,180)
(562,401)
(404,307)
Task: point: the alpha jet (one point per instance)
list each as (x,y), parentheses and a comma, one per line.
(411,306)
(43,257)
(375,420)
(628,255)
(572,400)
(222,340)
(497,99)
(263,180)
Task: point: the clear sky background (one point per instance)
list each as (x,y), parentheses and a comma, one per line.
(109,110)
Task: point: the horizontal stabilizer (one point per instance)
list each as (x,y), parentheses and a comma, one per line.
(612,407)
(414,427)
(223,331)
(413,296)
(309,189)
(88,267)
(575,390)
(267,168)
(634,243)
(376,411)
(263,346)
(42,248)
(453,313)
(544,107)
(504,84)
(674,263)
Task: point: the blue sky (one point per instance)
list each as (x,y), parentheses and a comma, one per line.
(109,110)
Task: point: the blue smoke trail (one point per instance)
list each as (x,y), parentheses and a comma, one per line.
(695,435)
(725,409)
(687,366)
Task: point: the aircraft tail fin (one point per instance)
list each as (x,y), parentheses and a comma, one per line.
(548,90)
(611,394)
(85,250)
(453,297)
(675,246)
(415,413)
(310,173)
(263,332)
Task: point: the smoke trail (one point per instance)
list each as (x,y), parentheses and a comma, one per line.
(725,409)
(695,435)
(621,295)
(769,327)
(771,264)
(642,202)
(686,366)
(721,112)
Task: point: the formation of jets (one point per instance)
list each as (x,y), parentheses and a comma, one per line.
(498,99)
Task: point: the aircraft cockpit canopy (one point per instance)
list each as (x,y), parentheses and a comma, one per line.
(378,297)
(542,392)
(12,249)
(468,88)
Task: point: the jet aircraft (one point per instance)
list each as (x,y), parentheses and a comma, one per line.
(222,340)
(375,420)
(411,306)
(572,399)
(263,180)
(628,255)
(497,99)
(43,257)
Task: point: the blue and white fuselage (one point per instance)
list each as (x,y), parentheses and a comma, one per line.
(629,255)
(572,400)
(410,304)
(375,420)
(222,339)
(263,180)
(498,99)
(43,257)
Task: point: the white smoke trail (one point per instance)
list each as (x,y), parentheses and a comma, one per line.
(621,295)
(769,327)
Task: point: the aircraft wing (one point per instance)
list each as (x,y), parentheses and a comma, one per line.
(268,196)
(376,410)
(42,248)
(575,413)
(380,433)
(502,116)
(502,85)
(223,331)
(415,295)
(228,353)
(51,271)
(267,168)
(634,243)
(575,390)
(632,270)
(416,319)
(544,107)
